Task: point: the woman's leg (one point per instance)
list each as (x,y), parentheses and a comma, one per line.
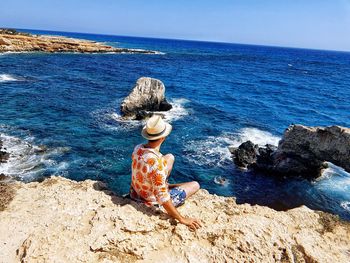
(189,187)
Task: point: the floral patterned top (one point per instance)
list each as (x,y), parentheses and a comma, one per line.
(149,176)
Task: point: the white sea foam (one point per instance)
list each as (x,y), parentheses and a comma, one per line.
(137,50)
(220,180)
(109,119)
(209,151)
(213,150)
(26,160)
(12,52)
(334,179)
(345,205)
(256,136)
(7,78)
(178,110)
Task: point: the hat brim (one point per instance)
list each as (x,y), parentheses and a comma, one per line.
(166,132)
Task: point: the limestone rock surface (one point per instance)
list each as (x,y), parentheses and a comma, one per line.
(12,41)
(60,220)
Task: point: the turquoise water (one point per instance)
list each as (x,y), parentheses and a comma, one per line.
(223,94)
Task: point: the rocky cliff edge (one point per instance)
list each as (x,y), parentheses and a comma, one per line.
(60,220)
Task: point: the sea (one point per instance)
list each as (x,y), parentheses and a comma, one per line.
(59,114)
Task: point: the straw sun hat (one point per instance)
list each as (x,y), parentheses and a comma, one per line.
(156,128)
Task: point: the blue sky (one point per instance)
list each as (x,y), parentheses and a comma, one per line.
(320,24)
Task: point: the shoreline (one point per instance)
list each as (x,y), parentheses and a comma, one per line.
(85,221)
(17,42)
(192,40)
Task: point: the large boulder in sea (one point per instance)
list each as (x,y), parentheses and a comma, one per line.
(303,151)
(147,96)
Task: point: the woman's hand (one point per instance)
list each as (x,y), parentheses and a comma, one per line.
(192,223)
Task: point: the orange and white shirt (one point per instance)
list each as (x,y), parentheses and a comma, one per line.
(149,176)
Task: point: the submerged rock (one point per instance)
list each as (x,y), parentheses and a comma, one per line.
(60,220)
(303,151)
(147,96)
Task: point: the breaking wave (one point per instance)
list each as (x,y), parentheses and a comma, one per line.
(109,119)
(178,110)
(28,161)
(213,150)
(345,205)
(256,136)
(7,78)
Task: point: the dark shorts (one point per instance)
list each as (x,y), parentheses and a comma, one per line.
(177,195)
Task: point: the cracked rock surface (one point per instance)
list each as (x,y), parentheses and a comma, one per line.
(60,220)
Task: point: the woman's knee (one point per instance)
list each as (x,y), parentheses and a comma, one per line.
(169,157)
(191,188)
(195,185)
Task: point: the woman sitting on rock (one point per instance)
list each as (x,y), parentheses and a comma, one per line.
(150,171)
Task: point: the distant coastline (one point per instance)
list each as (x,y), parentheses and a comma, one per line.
(59,32)
(14,41)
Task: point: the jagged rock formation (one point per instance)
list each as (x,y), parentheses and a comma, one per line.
(13,41)
(249,154)
(147,96)
(60,220)
(3,154)
(302,151)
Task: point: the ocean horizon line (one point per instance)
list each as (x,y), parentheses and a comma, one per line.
(184,40)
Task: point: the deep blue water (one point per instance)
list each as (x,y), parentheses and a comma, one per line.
(223,94)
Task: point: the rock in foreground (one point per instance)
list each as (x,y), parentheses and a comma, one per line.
(60,220)
(147,96)
(13,41)
(302,151)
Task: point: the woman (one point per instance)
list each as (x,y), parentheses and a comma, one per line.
(150,171)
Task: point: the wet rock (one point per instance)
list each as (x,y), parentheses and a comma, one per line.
(41,149)
(147,96)
(245,154)
(3,154)
(266,152)
(4,177)
(303,151)
(312,146)
(142,114)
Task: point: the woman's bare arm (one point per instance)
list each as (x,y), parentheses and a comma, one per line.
(192,223)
